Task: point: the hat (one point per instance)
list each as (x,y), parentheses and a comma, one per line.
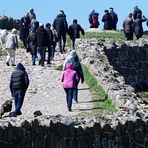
(14,30)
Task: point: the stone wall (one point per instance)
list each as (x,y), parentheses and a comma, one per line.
(65,132)
(119,68)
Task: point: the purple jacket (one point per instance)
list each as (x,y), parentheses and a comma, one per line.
(69,77)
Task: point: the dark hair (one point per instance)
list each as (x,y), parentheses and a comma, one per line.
(48,25)
(106,11)
(111,8)
(75,21)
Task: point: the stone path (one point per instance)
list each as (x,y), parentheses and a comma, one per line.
(45,92)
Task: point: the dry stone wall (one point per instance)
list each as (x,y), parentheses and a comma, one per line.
(65,132)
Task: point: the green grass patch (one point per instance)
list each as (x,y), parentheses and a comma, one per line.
(2,52)
(143,95)
(58,67)
(99,98)
(117,36)
(104,35)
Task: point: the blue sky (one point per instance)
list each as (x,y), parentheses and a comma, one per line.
(46,10)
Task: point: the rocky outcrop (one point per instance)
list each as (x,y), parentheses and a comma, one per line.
(72,132)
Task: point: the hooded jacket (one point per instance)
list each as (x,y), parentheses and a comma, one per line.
(69,77)
(19,79)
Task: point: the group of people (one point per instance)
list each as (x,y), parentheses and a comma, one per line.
(38,38)
(71,76)
(133,24)
(110,19)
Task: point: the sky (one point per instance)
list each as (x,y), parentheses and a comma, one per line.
(47,10)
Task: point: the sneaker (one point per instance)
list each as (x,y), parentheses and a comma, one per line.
(7,64)
(13,65)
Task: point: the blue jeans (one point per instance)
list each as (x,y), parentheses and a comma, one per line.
(69,96)
(42,52)
(52,52)
(33,59)
(75,92)
(18,98)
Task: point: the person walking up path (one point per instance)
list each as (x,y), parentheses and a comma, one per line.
(45,92)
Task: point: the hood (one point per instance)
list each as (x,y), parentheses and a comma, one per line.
(69,66)
(20,67)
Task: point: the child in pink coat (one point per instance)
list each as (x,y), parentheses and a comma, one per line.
(69,78)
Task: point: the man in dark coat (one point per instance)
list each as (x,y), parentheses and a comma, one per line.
(18,85)
(128,27)
(114,18)
(137,26)
(61,26)
(74,32)
(136,11)
(41,38)
(50,41)
(107,19)
(93,19)
(24,28)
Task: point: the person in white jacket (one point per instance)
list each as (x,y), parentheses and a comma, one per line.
(11,45)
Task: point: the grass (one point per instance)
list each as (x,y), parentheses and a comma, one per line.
(104,35)
(99,98)
(118,36)
(58,67)
(2,52)
(143,95)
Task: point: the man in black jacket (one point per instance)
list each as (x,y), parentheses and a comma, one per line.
(107,19)
(74,32)
(18,85)
(41,38)
(114,18)
(61,26)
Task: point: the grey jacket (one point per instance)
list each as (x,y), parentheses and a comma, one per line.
(12,41)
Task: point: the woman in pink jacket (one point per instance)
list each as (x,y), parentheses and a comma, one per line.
(69,79)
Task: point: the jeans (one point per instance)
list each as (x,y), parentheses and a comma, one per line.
(69,96)
(62,46)
(52,53)
(75,92)
(42,52)
(33,59)
(18,98)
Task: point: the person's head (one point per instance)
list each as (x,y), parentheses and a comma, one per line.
(136,7)
(130,15)
(75,21)
(20,67)
(27,14)
(69,66)
(31,10)
(111,9)
(106,11)
(139,16)
(48,25)
(41,25)
(72,53)
(62,12)
(14,31)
